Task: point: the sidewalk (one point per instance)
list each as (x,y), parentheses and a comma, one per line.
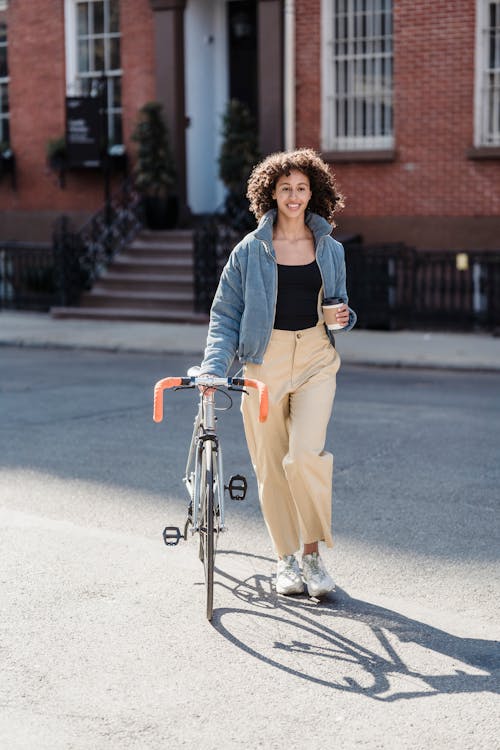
(461,351)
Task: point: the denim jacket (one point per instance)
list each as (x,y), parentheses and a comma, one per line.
(244,306)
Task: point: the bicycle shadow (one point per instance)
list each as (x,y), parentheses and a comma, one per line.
(352,645)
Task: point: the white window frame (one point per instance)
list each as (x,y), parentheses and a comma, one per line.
(4,81)
(486,110)
(354,103)
(72,75)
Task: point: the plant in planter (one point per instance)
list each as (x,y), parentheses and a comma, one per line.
(238,155)
(154,171)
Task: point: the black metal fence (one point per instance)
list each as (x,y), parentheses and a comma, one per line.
(390,286)
(27,276)
(38,276)
(213,242)
(394,286)
(81,256)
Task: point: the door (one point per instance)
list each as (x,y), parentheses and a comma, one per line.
(220,63)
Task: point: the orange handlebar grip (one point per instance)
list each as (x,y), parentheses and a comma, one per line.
(160,386)
(263,397)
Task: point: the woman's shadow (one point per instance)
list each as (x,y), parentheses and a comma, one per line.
(351,645)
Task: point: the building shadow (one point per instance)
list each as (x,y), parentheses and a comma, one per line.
(393,658)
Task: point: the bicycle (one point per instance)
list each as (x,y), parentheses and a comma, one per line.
(204,478)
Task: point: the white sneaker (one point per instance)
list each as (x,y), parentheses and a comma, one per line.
(288,577)
(315,576)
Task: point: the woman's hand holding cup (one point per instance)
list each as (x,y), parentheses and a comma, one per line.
(335,312)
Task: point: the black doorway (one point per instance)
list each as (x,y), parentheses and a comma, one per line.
(242,34)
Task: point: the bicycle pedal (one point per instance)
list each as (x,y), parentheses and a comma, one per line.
(237,487)
(172,535)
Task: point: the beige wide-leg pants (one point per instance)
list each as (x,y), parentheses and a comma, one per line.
(294,472)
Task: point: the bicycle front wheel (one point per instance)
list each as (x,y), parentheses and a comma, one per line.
(207,525)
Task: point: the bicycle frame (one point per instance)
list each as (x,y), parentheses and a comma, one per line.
(204,429)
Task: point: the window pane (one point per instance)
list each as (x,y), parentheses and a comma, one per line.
(492,15)
(3,62)
(98,27)
(115,53)
(114,15)
(116,98)
(82,19)
(117,134)
(361,69)
(83,56)
(3,32)
(98,51)
(4,99)
(489,103)
(99,54)
(84,88)
(4,130)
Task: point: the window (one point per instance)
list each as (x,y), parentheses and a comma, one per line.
(4,87)
(487,119)
(93,56)
(357,75)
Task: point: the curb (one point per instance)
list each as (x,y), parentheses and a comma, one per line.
(397,363)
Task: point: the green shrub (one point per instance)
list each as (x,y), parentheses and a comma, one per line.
(154,172)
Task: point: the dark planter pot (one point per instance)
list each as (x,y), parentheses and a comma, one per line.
(161,213)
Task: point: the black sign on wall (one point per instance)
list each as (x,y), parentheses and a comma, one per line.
(84,131)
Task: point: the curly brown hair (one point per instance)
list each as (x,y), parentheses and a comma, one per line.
(326,198)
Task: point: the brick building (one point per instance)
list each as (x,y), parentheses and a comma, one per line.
(42,47)
(409,114)
(402,97)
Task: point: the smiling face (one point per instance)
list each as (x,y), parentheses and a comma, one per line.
(292,194)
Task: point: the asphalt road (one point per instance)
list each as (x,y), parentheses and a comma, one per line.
(103,638)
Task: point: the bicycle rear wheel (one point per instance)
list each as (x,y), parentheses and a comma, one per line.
(207,542)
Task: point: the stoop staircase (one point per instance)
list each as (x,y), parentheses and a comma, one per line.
(152,280)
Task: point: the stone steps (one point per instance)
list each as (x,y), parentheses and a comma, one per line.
(102,297)
(146,264)
(152,280)
(129,314)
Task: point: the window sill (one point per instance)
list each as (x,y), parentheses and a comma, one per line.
(380,155)
(483,152)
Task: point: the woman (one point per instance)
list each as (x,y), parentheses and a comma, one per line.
(268,310)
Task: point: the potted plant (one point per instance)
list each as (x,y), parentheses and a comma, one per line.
(238,155)
(154,171)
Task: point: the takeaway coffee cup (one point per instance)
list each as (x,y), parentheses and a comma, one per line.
(330,307)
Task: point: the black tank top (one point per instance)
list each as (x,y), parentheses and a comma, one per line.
(297,303)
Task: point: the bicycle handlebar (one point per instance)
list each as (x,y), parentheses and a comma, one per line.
(209,381)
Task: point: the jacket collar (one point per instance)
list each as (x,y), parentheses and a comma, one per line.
(316,223)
